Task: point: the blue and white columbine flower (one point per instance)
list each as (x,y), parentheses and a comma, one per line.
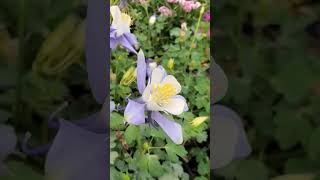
(159,95)
(120,30)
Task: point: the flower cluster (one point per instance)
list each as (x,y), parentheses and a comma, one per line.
(187,5)
(165,11)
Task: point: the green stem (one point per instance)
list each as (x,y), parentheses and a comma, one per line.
(196,30)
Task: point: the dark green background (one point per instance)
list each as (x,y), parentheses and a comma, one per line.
(270,52)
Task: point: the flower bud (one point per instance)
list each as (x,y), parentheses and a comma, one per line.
(129,76)
(202,9)
(113,76)
(184,26)
(62,48)
(199,120)
(170,64)
(145,146)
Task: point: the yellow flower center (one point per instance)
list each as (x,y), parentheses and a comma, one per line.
(126,18)
(161,93)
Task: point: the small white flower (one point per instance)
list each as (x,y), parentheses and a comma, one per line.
(161,94)
(152,19)
(121,21)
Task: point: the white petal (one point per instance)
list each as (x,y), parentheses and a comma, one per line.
(157,75)
(115,13)
(172,80)
(146,93)
(176,105)
(152,106)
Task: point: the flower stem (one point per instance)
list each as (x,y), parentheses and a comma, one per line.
(197,29)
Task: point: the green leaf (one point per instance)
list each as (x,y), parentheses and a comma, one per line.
(203,168)
(116,121)
(154,166)
(132,133)
(113,156)
(291,129)
(174,151)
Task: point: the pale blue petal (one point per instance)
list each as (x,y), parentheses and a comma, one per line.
(135,113)
(172,129)
(141,72)
(126,44)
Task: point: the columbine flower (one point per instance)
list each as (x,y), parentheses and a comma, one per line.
(160,94)
(152,19)
(199,120)
(165,11)
(120,30)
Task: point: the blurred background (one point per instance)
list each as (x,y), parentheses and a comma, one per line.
(42,67)
(270,52)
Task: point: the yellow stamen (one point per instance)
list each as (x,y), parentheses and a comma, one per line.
(126,18)
(161,93)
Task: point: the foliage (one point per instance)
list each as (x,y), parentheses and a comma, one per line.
(45,67)
(269,52)
(146,152)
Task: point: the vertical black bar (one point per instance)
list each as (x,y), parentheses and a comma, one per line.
(98,58)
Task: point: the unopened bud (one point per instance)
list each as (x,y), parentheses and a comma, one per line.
(62,48)
(199,120)
(128,77)
(170,64)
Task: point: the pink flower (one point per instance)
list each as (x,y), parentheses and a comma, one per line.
(187,6)
(207,17)
(165,11)
(196,5)
(172,1)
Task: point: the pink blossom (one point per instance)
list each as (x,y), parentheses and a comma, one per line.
(207,17)
(187,6)
(196,5)
(173,1)
(165,11)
